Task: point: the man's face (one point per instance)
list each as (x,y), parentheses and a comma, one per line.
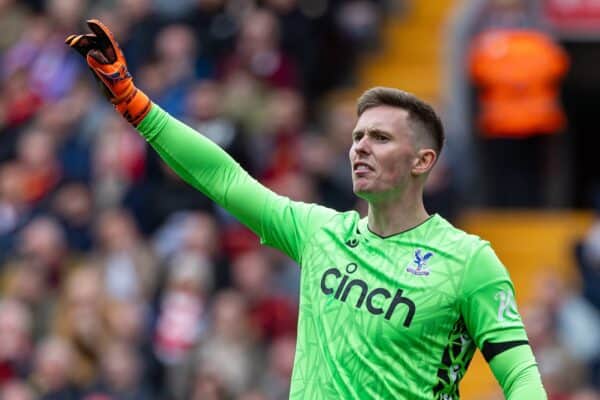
(383,152)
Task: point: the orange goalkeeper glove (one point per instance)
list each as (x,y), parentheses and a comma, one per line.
(105,58)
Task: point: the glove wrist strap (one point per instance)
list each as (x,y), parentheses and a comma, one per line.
(134,106)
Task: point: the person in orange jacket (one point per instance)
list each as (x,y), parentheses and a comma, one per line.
(518,73)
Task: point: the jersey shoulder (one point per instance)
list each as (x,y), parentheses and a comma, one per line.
(453,241)
(343,221)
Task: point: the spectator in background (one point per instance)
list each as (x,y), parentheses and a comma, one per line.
(517,71)
(42,242)
(587,254)
(53,369)
(277,377)
(68,121)
(13,19)
(204,112)
(194,235)
(245,100)
(36,152)
(16,390)
(72,204)
(229,349)
(271,314)
(14,210)
(585,394)
(576,326)
(215,25)
(129,266)
(207,386)
(118,162)
(129,324)
(177,64)
(20,103)
(321,153)
(79,319)
(559,371)
(51,70)
(254,394)
(141,24)
(258,52)
(25,282)
(16,343)
(182,318)
(120,376)
(282,132)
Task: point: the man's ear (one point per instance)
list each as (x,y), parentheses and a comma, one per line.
(424,161)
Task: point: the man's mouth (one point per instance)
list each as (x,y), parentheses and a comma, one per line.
(361,167)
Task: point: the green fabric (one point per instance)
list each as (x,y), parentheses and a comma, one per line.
(208,168)
(518,374)
(380,318)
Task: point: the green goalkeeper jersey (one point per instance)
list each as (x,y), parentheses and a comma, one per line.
(398,317)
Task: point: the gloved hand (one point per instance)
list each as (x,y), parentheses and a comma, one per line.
(106,60)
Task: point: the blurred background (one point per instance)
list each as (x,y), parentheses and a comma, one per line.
(119,281)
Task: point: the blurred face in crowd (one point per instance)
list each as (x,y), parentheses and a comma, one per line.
(386,154)
(176,42)
(73,202)
(44,240)
(135,8)
(67,13)
(125,320)
(251,273)
(16,390)
(15,330)
(200,234)
(120,366)
(230,315)
(204,100)
(116,230)
(12,177)
(83,293)
(341,120)
(286,110)
(207,387)
(26,282)
(260,33)
(281,357)
(36,149)
(52,363)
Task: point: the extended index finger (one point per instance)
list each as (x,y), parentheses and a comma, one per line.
(106,40)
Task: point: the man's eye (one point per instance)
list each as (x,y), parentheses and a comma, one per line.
(380,138)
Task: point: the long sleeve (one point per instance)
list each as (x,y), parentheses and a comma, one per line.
(517,373)
(277,220)
(494,322)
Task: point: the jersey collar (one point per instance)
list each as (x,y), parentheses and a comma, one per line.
(363,226)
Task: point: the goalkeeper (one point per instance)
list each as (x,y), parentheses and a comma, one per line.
(392,306)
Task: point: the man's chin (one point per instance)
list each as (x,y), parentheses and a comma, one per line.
(362,192)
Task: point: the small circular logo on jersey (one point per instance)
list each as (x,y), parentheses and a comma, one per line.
(352,242)
(351,268)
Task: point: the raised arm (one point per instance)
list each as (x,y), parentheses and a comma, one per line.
(277,220)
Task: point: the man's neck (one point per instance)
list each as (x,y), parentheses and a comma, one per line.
(391,216)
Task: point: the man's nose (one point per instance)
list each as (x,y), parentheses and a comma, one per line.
(362,145)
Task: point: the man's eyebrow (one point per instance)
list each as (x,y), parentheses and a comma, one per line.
(378,131)
(370,131)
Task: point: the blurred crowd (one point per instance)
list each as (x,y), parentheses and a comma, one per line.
(118,280)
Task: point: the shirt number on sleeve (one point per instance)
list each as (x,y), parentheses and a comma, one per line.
(507,309)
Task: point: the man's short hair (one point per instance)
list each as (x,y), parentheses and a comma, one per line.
(419,112)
